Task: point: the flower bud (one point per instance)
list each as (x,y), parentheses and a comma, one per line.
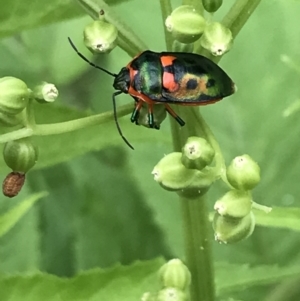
(171,294)
(10,120)
(14,95)
(234,203)
(100,36)
(212,6)
(159,115)
(197,153)
(171,174)
(20,155)
(185,24)
(175,274)
(216,38)
(13,184)
(231,230)
(45,92)
(243,173)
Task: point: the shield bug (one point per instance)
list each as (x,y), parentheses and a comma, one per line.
(168,78)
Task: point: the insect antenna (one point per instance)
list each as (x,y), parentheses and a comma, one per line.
(89,62)
(116,118)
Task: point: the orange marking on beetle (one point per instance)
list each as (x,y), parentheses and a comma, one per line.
(183,93)
(167,60)
(169,82)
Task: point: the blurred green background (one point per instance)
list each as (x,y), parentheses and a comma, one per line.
(103,205)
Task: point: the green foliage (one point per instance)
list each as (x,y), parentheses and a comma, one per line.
(17,15)
(103,206)
(10,218)
(119,282)
(244,276)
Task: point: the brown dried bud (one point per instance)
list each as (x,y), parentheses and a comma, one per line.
(13,184)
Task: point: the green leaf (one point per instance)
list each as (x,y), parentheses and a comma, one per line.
(118,283)
(20,247)
(18,15)
(279,217)
(10,218)
(82,220)
(244,276)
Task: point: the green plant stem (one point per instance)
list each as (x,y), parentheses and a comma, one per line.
(66,126)
(194,212)
(198,247)
(197,236)
(134,44)
(238,15)
(30,113)
(235,19)
(166,9)
(180,47)
(125,47)
(260,207)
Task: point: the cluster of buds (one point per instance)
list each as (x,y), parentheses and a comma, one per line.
(187,26)
(234,219)
(187,172)
(19,155)
(175,279)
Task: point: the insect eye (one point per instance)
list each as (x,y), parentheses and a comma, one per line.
(210,83)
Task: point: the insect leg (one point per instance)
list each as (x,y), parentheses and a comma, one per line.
(135,114)
(116,118)
(150,116)
(174,115)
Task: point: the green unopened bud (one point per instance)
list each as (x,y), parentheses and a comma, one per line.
(243,173)
(212,6)
(10,120)
(159,115)
(14,95)
(197,153)
(171,294)
(100,36)
(172,175)
(185,24)
(45,93)
(175,274)
(231,230)
(234,203)
(216,38)
(20,155)
(13,184)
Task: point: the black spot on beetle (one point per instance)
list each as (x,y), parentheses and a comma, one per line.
(191,84)
(210,83)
